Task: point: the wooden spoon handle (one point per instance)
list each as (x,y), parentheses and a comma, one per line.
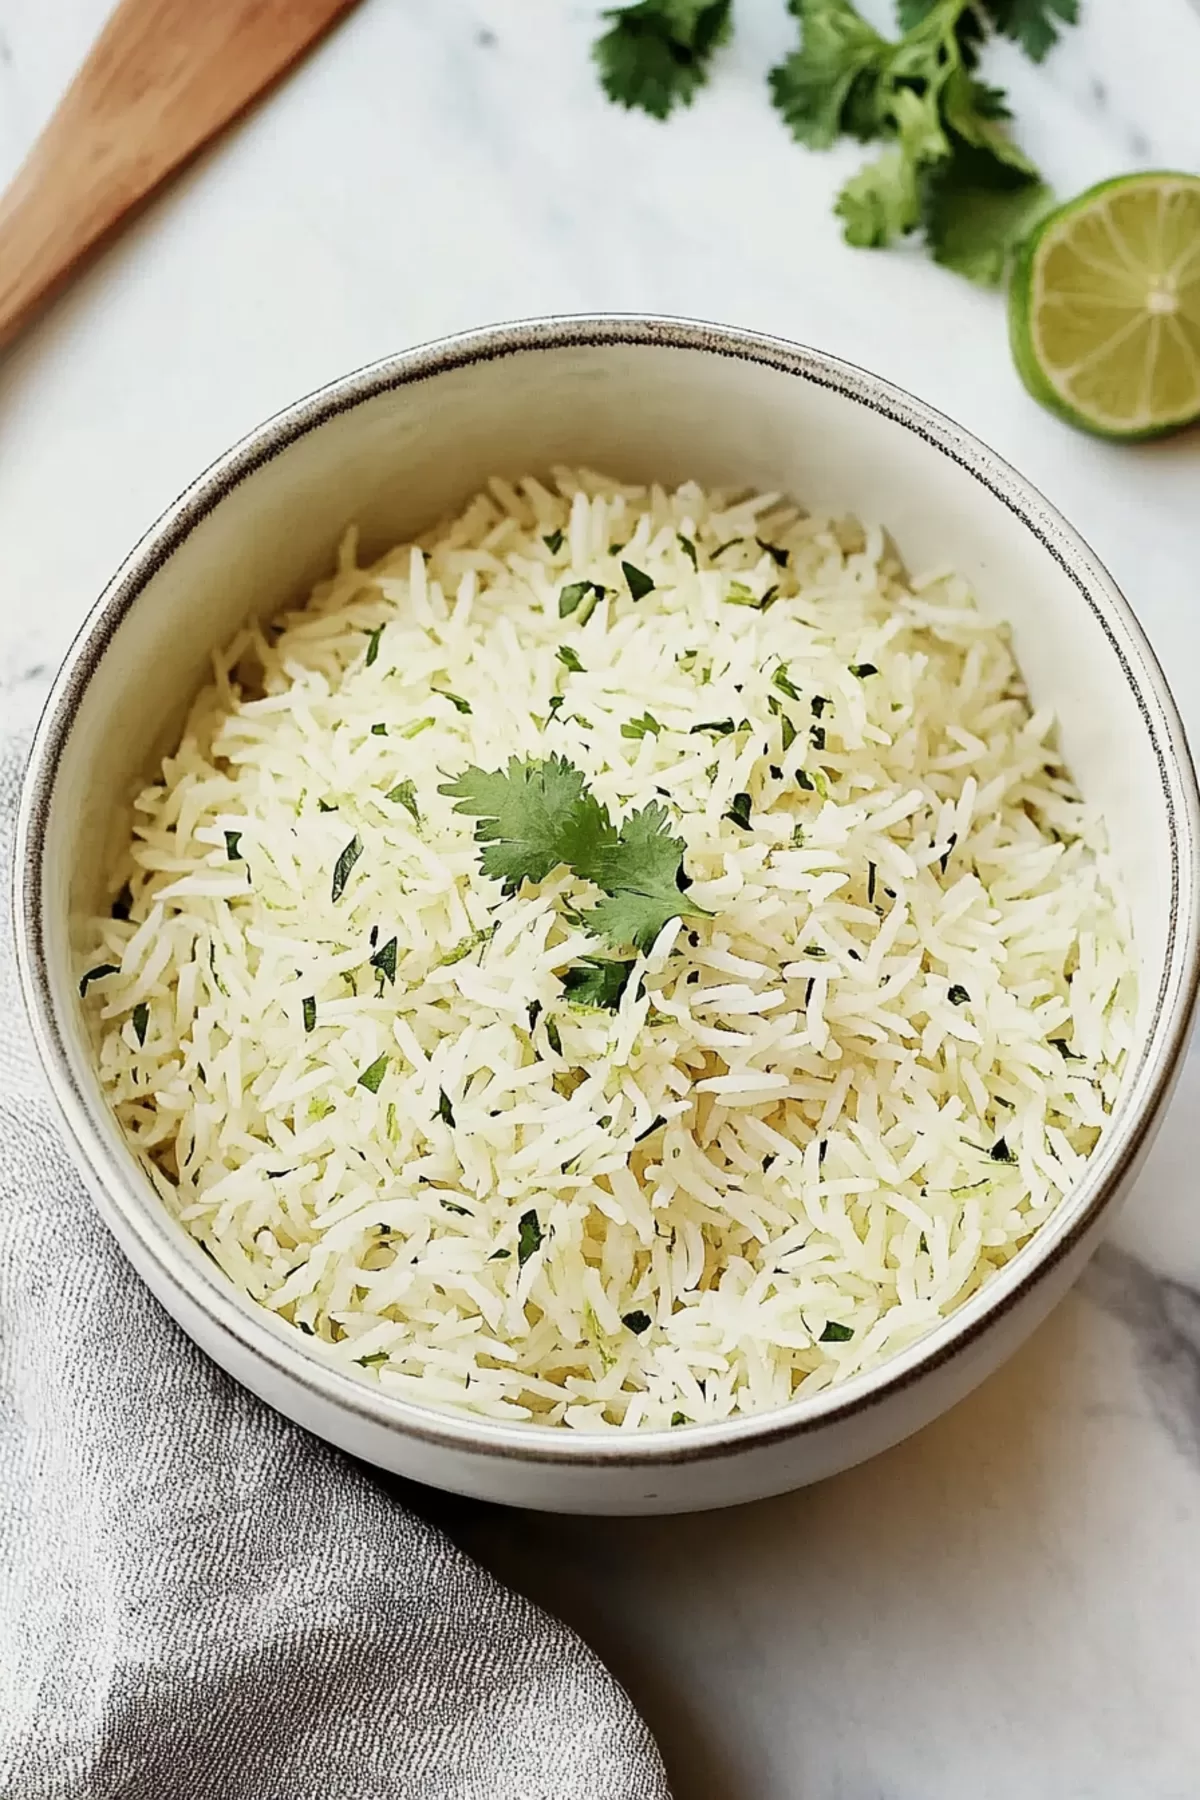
(163,78)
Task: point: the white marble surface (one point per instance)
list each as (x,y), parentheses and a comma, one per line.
(1009,1605)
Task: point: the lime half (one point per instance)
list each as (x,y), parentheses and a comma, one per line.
(1104,307)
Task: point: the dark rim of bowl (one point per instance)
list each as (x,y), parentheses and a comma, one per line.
(238,1318)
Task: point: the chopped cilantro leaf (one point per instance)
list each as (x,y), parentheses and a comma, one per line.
(97,974)
(553,541)
(552,1037)
(309,1008)
(405,794)
(569,659)
(373,638)
(445,1111)
(678,1418)
(739,811)
(371,1076)
(326,805)
(141,1019)
(379,729)
(593,981)
(232,840)
(957,995)
(688,548)
(499,1255)
(656,1124)
(456,700)
(780,680)
(575,596)
(639,585)
(836,1334)
(529,1236)
(384,961)
(862,670)
(345,863)
(416,728)
(1000,1152)
(718,727)
(871,878)
(637,1322)
(646,726)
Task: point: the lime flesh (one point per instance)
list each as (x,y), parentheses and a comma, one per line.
(1104,307)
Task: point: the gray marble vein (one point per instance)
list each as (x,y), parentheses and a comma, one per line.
(1163,1316)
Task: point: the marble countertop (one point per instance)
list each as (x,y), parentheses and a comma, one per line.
(1009,1604)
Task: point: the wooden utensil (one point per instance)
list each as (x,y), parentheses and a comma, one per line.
(163,78)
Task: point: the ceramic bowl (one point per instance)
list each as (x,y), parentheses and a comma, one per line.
(395,446)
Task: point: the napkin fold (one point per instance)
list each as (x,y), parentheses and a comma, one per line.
(198,1601)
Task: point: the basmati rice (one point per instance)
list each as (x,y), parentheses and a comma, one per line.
(813,1124)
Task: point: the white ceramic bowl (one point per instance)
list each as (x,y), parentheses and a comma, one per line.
(393,447)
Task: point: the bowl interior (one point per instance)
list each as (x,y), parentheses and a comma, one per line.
(397,446)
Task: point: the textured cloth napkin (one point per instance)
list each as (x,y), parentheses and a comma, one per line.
(198,1601)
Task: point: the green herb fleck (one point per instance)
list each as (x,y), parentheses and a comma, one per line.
(739,811)
(373,1361)
(862,670)
(656,1124)
(553,1038)
(1001,1153)
(574,597)
(636,1321)
(639,584)
(374,1074)
(384,963)
(345,863)
(949,850)
(738,594)
(416,727)
(445,1111)
(529,1236)
(232,840)
(553,541)
(718,727)
(836,1334)
(309,1008)
(379,729)
(373,638)
(817,734)
(593,981)
(646,726)
(405,794)
(141,1019)
(569,659)
(97,974)
(778,556)
(456,700)
(499,1255)
(957,995)
(688,548)
(1061,1045)
(326,805)
(871,878)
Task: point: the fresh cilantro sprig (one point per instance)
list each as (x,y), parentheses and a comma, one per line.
(656,54)
(536,816)
(948,167)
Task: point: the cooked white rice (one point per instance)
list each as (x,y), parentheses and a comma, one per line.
(815,1123)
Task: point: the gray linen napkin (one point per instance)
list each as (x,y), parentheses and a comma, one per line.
(198,1601)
